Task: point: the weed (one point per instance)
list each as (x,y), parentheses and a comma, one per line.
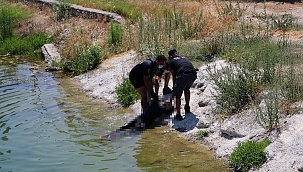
(249,154)
(86,58)
(230,10)
(9,15)
(292,88)
(282,22)
(285,22)
(61,11)
(236,87)
(201,134)
(115,37)
(268,116)
(126,93)
(26,45)
(156,35)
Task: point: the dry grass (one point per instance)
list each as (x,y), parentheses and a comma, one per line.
(82,31)
(86,31)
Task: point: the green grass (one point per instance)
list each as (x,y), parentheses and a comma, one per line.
(115,38)
(9,17)
(121,7)
(29,45)
(201,134)
(249,154)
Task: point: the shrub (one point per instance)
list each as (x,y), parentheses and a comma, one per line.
(236,87)
(269,116)
(126,93)
(249,154)
(86,58)
(282,22)
(61,11)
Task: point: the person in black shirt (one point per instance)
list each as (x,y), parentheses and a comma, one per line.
(141,77)
(184,75)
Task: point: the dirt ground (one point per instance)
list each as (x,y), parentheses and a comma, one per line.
(279,8)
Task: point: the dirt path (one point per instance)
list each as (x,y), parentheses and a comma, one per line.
(276,9)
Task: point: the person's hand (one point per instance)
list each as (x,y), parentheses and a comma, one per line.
(158,79)
(167,90)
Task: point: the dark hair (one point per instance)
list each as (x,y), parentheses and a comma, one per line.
(161,57)
(172,52)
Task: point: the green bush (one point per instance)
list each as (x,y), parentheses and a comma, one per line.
(236,87)
(86,58)
(249,154)
(61,11)
(127,95)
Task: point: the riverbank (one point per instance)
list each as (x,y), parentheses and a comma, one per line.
(285,151)
(283,154)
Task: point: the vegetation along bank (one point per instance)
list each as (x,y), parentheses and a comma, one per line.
(247,100)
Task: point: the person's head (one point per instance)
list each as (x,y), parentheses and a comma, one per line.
(172,53)
(161,61)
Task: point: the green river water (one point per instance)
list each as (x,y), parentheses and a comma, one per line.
(46,124)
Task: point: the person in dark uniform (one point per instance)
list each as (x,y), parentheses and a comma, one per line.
(184,74)
(141,77)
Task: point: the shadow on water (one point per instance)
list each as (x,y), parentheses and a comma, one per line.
(46,124)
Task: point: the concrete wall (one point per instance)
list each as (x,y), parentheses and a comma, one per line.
(79,11)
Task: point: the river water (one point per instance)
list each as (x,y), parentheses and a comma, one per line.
(46,124)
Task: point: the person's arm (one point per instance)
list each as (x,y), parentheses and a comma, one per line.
(167,78)
(148,83)
(157,83)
